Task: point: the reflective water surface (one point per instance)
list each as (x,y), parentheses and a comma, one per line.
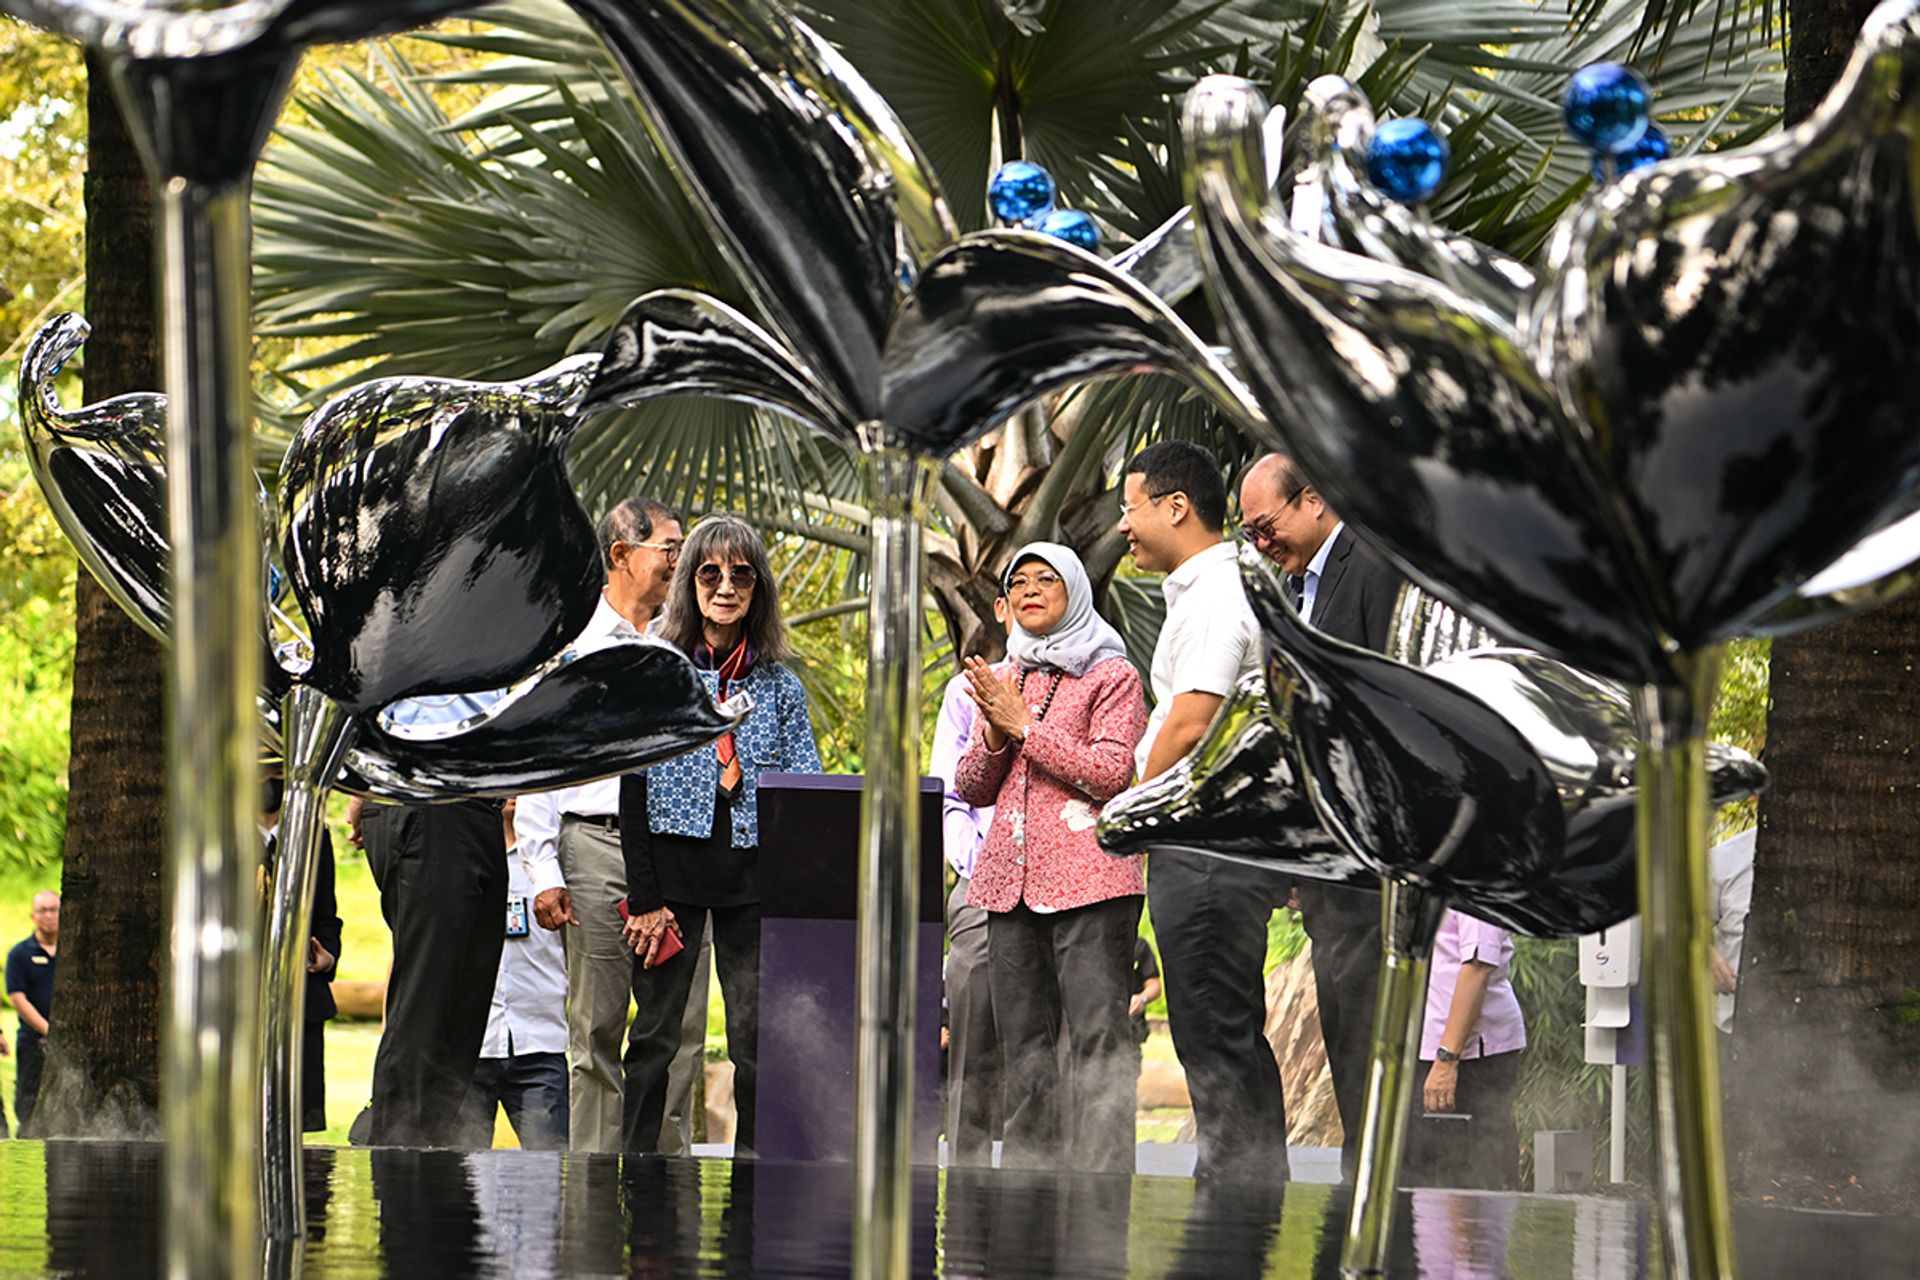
(92,1209)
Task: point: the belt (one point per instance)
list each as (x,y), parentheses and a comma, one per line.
(605,821)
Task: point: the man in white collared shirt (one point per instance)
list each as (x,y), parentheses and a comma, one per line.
(523,1057)
(569,843)
(1209,915)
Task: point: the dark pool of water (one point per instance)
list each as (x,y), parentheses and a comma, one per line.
(94,1209)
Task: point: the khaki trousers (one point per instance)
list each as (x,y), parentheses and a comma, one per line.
(600,992)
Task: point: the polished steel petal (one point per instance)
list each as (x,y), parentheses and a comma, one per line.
(1740,331)
(1351,214)
(1236,795)
(1420,416)
(1166,260)
(1881,567)
(433,539)
(593,710)
(675,342)
(187,29)
(1004,317)
(806,177)
(102,470)
(1421,781)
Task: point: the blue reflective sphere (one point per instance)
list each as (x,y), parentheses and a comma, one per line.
(1607,106)
(1653,146)
(1076,228)
(1407,160)
(1020,192)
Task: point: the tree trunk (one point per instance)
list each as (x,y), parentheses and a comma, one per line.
(103,1065)
(1826,1049)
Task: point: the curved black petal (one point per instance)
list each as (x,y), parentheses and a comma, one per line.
(675,342)
(102,469)
(804,174)
(1236,795)
(1420,416)
(1422,781)
(1338,123)
(591,711)
(1006,316)
(434,542)
(1740,331)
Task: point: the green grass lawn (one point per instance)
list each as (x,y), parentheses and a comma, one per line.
(366,950)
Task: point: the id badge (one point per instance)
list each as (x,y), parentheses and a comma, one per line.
(516,915)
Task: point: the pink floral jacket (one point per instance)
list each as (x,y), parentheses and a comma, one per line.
(1047,791)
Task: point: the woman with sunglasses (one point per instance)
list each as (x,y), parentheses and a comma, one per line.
(688,826)
(1054,741)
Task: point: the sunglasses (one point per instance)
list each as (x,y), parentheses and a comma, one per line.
(741,576)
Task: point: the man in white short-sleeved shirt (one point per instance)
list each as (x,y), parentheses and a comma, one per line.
(1209,915)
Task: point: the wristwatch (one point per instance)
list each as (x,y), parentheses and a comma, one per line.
(1445,1055)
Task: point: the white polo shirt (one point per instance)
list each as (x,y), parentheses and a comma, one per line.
(529,1013)
(1208,641)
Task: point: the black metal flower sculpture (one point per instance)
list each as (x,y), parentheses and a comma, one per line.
(818,194)
(1701,407)
(1331,731)
(435,547)
(891,335)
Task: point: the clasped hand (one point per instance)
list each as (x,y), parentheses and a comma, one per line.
(1000,702)
(645,931)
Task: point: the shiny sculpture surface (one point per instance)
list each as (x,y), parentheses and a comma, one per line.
(1252,789)
(1695,425)
(888,333)
(1430,760)
(436,547)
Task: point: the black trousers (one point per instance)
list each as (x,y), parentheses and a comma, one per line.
(1483,1152)
(1076,967)
(660,996)
(1344,924)
(31,1057)
(442,873)
(313,1075)
(1210,919)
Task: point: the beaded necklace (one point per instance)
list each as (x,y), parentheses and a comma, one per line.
(1045,703)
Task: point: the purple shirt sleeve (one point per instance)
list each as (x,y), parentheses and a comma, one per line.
(1502,1027)
(963,827)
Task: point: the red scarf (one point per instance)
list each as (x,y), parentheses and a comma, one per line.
(731,669)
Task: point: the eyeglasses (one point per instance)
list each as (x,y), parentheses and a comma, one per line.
(741,576)
(1262,531)
(1128,508)
(671,550)
(1039,582)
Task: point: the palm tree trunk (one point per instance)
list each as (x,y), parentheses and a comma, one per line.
(1826,1047)
(103,1067)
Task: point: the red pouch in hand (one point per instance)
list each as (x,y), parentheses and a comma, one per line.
(670,944)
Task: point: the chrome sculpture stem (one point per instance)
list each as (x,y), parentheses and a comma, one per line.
(211,1085)
(317,732)
(200,124)
(1409,918)
(899,489)
(1697,1230)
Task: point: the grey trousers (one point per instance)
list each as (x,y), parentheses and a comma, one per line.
(599,992)
(974,1103)
(1071,968)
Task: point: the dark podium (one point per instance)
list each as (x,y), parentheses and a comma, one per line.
(809,875)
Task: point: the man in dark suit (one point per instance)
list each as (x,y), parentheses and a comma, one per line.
(1347,591)
(323,954)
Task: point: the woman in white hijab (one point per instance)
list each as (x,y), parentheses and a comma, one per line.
(1054,741)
